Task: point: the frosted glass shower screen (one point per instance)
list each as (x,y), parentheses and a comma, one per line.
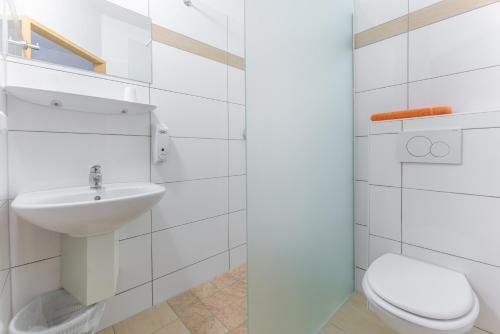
(299,162)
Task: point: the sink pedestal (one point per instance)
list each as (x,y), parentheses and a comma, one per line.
(89,267)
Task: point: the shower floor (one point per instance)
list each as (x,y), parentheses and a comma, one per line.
(215,307)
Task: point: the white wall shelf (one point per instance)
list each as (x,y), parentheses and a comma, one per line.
(77,102)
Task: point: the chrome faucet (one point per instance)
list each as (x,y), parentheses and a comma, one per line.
(95,177)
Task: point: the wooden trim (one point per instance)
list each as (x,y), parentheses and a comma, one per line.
(384,31)
(236,61)
(179,41)
(29,25)
(437,12)
(444,10)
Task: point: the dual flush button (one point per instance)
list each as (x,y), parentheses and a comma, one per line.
(440,147)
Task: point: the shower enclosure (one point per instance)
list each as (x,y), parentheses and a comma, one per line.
(300,163)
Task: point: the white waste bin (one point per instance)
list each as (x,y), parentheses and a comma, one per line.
(57,312)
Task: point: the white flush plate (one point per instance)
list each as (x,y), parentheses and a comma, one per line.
(432,147)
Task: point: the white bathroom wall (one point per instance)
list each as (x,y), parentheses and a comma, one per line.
(198,230)
(5,301)
(445,214)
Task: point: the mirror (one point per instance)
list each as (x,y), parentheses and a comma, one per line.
(93,35)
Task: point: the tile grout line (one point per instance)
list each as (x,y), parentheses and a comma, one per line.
(228,150)
(409,82)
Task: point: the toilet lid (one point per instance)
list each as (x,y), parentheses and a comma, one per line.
(421,288)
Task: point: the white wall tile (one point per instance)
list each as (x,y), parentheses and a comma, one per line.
(361,246)
(138,6)
(181,66)
(236,34)
(237,193)
(238,256)
(190,116)
(381,246)
(192,158)
(32,280)
(199,22)
(361,158)
(462,225)
(473,91)
(377,101)
(181,246)
(361,203)
(4,236)
(182,280)
(30,243)
(476,175)
(237,228)
(39,161)
(358,279)
(43,78)
(419,4)
(381,64)
(3,158)
(369,13)
(385,212)
(186,202)
(438,49)
(237,157)
(125,305)
(235,9)
(384,166)
(385,127)
(236,121)
(5,304)
(31,117)
(140,225)
(483,278)
(135,262)
(236,85)
(479,120)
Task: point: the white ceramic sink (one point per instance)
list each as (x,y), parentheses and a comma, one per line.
(84,212)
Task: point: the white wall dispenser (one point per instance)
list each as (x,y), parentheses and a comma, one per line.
(160,142)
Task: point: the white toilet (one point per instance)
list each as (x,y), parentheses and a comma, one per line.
(415,297)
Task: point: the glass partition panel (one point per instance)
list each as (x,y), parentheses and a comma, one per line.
(299,163)
(94,35)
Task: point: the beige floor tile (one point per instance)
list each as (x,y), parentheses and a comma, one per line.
(355,318)
(240,272)
(108,330)
(209,326)
(224,280)
(204,290)
(192,314)
(145,322)
(165,313)
(176,327)
(240,330)
(330,328)
(182,300)
(232,316)
(218,301)
(238,289)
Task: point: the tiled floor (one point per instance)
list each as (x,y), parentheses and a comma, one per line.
(216,307)
(355,318)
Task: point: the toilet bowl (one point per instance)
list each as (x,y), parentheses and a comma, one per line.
(414,297)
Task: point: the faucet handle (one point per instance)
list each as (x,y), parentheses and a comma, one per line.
(96,169)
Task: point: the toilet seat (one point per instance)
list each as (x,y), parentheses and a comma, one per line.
(396,283)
